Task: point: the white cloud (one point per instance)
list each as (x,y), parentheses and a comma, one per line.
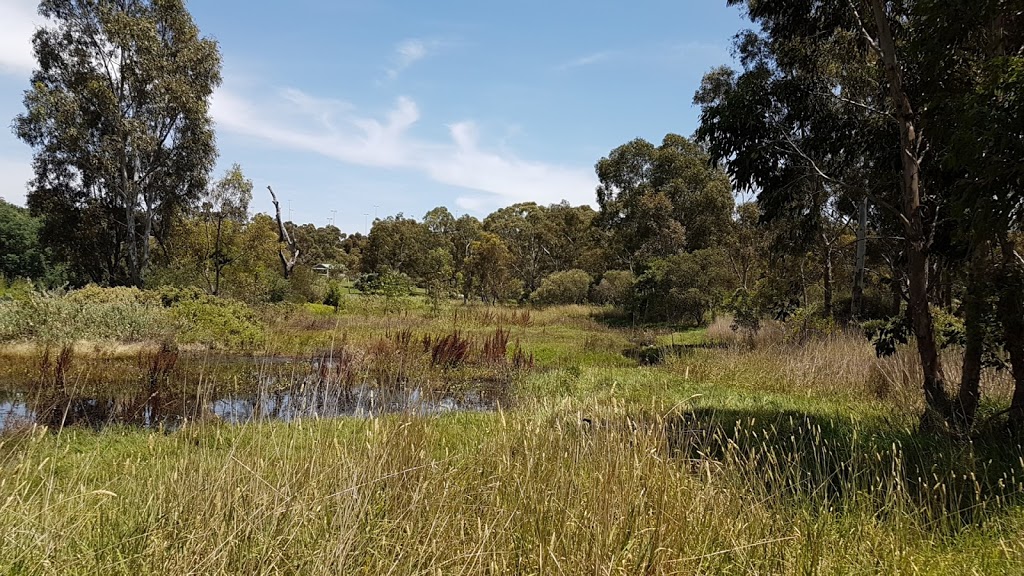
(409,52)
(15,172)
(18,21)
(587,60)
(494,178)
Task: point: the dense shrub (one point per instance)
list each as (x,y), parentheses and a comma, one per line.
(333,295)
(569,287)
(616,288)
(217,323)
(683,288)
(92,313)
(130,315)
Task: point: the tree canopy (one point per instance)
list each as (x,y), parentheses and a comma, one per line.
(118,117)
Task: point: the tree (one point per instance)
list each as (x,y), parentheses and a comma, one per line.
(879,72)
(398,243)
(21,256)
(226,208)
(527,233)
(569,287)
(616,288)
(489,269)
(288,251)
(118,117)
(657,201)
(685,287)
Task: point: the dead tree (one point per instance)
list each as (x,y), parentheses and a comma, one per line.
(287,262)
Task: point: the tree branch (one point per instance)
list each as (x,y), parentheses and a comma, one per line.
(287,264)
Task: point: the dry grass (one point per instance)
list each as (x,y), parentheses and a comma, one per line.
(539,492)
(779,457)
(837,364)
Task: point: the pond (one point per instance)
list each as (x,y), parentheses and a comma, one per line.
(154,392)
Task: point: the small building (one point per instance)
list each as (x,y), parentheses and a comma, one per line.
(323,269)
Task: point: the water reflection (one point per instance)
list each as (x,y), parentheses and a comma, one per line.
(168,393)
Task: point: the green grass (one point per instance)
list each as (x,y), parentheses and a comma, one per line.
(782,459)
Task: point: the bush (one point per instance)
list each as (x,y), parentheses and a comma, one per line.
(569,287)
(92,313)
(616,288)
(686,288)
(334,295)
(217,323)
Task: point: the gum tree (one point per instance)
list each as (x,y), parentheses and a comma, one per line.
(118,117)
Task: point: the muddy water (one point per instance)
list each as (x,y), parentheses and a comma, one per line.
(236,390)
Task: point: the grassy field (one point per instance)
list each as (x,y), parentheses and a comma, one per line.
(704,453)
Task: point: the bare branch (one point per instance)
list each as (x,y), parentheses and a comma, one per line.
(287,264)
(867,35)
(862,105)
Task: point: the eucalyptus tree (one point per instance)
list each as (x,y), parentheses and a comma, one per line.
(656,201)
(118,117)
(21,256)
(226,211)
(912,103)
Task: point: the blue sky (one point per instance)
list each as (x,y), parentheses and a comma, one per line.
(367,107)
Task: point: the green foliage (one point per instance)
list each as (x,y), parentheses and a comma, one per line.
(400,244)
(809,322)
(746,314)
(218,323)
(119,150)
(91,314)
(489,270)
(686,288)
(334,296)
(302,285)
(658,200)
(21,256)
(569,287)
(615,288)
(544,239)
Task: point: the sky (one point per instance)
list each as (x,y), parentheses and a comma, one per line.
(356,109)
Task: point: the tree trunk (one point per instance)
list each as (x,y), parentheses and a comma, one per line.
(218,257)
(934,386)
(966,406)
(287,263)
(1011,313)
(857,301)
(826,267)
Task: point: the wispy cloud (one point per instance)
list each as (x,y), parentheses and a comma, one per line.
(699,52)
(588,60)
(409,52)
(700,55)
(490,178)
(18,21)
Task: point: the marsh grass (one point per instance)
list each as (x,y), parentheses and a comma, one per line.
(766,457)
(572,487)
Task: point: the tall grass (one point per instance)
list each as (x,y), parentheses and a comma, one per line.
(540,492)
(838,363)
(767,456)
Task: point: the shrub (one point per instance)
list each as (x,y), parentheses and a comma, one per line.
(334,295)
(92,313)
(616,288)
(685,287)
(745,311)
(569,287)
(217,323)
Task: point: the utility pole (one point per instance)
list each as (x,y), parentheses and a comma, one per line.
(333,215)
